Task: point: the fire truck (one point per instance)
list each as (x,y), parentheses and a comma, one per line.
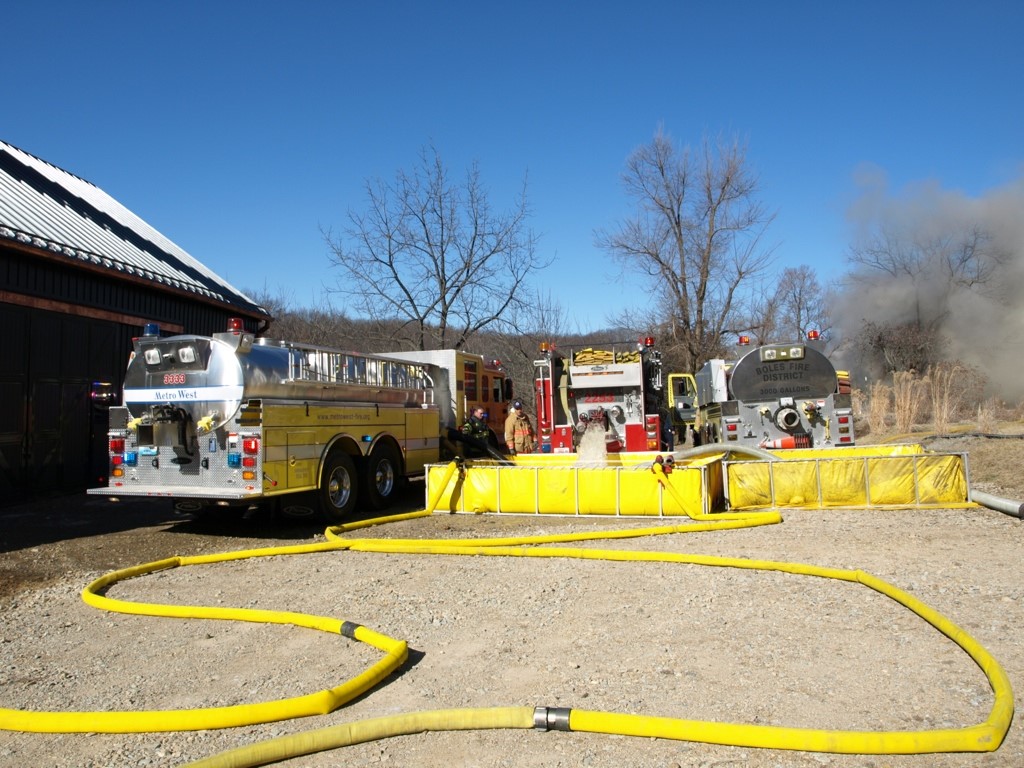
(774,396)
(467,381)
(613,392)
(233,420)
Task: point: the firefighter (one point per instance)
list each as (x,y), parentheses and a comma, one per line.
(477,430)
(519,434)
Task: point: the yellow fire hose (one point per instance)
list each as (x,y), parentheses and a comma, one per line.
(984,737)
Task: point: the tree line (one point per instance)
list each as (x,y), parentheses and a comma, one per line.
(430,261)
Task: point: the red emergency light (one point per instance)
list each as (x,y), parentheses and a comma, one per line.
(648,341)
(813,335)
(235,324)
(743,340)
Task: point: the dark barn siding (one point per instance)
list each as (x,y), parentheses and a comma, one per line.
(50,280)
(50,435)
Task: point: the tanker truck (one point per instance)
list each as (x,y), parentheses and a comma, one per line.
(774,396)
(232,420)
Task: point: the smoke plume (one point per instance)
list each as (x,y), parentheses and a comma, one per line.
(945,259)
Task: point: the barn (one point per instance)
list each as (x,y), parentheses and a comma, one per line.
(80,275)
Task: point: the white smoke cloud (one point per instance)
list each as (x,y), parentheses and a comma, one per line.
(922,227)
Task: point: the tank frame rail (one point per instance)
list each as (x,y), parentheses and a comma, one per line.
(579,489)
(332,366)
(919,480)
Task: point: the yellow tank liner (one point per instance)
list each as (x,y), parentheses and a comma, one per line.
(560,484)
(876,476)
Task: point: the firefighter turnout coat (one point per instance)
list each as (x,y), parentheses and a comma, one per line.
(519,435)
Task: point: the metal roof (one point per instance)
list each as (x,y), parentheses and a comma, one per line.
(47,208)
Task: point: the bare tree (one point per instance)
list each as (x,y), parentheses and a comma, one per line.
(433,255)
(697,236)
(320,324)
(518,345)
(963,258)
(932,261)
(800,304)
(906,347)
(909,275)
(763,313)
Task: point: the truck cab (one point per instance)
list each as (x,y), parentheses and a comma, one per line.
(682,404)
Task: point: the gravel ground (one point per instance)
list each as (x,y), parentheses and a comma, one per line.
(674,640)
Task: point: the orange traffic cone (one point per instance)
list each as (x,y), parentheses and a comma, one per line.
(781,442)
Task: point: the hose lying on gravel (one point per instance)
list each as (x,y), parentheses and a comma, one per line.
(999,504)
(984,737)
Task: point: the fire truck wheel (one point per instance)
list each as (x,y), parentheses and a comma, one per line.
(338,487)
(382,477)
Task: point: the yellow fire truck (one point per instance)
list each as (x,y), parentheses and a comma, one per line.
(229,420)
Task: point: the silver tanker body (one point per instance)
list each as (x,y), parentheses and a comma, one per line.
(207,379)
(775,396)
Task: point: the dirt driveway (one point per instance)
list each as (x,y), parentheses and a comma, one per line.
(707,644)
(49,538)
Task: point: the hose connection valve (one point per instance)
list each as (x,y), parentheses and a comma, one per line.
(667,463)
(551,718)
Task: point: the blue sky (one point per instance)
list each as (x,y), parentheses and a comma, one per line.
(241,129)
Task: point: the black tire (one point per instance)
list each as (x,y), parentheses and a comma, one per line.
(382,477)
(339,487)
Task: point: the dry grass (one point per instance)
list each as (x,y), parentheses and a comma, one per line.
(879,407)
(908,396)
(988,416)
(945,395)
(994,463)
(937,410)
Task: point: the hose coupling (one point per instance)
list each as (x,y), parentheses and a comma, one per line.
(348,629)
(551,718)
